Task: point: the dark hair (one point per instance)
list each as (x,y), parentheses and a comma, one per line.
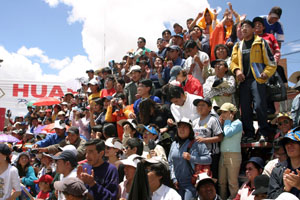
(205,181)
(136,142)
(109,129)
(143,58)
(189,19)
(196,26)
(167,30)
(190,137)
(277,10)
(190,44)
(111,78)
(161,170)
(219,46)
(147,83)
(277,144)
(121,81)
(119,152)
(175,92)
(247,21)
(143,39)
(145,110)
(100,145)
(97,128)
(23,171)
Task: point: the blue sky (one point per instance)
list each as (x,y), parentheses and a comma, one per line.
(33,23)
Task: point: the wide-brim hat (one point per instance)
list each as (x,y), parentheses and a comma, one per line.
(294,77)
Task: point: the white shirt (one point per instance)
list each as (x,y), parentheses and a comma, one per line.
(197,72)
(187,110)
(73,173)
(165,193)
(9,180)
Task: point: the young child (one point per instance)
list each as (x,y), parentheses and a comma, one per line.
(44,185)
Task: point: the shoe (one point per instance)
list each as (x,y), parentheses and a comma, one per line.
(262,139)
(250,140)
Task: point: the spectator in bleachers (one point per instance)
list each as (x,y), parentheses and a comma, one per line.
(177,40)
(220,87)
(141,50)
(208,130)
(272,24)
(161,47)
(252,90)
(109,88)
(285,176)
(208,21)
(295,110)
(90,74)
(174,54)
(284,124)
(166,35)
(134,146)
(254,167)
(197,63)
(81,119)
(231,157)
(130,130)
(261,184)
(206,188)
(113,151)
(130,89)
(182,159)
(196,34)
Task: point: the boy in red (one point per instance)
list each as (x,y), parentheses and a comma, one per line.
(44,185)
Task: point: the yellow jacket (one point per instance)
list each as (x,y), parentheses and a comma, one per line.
(260,53)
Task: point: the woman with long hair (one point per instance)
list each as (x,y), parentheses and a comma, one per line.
(9,178)
(26,172)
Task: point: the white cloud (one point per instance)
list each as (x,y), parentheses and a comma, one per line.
(52,3)
(118,24)
(294,47)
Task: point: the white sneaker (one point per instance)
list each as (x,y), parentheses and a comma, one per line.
(262,139)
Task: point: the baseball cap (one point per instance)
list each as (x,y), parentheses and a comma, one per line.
(228,107)
(174,72)
(152,130)
(71,185)
(90,70)
(185,120)
(67,155)
(45,178)
(73,130)
(178,35)
(135,68)
(261,184)
(174,47)
(202,177)
(110,142)
(69,147)
(93,82)
(206,100)
(61,113)
(59,124)
(293,134)
(5,150)
(132,160)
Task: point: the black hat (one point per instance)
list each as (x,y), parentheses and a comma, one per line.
(67,155)
(259,161)
(206,100)
(71,185)
(73,130)
(217,61)
(261,184)
(90,70)
(247,21)
(258,19)
(106,69)
(5,150)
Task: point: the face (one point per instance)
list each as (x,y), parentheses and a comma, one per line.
(221,53)
(129,172)
(46,160)
(90,75)
(143,90)
(225,114)
(247,31)
(177,29)
(140,43)
(93,88)
(167,36)
(273,20)
(293,149)
(178,101)
(148,136)
(2,158)
(110,151)
(173,54)
(207,18)
(23,160)
(220,69)
(280,154)
(119,87)
(191,51)
(258,27)
(109,84)
(72,138)
(61,117)
(43,186)
(203,109)
(197,32)
(251,171)
(284,124)
(158,62)
(60,166)
(129,151)
(93,157)
(180,77)
(153,178)
(60,132)
(207,191)
(136,76)
(183,130)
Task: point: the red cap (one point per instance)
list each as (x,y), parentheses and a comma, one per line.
(48,110)
(45,178)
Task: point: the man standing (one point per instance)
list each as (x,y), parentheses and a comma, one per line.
(130,89)
(100,176)
(253,64)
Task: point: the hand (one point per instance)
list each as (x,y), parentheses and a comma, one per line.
(229,5)
(85,177)
(186,156)
(239,75)
(131,116)
(286,181)
(200,139)
(290,179)
(126,129)
(43,150)
(147,70)
(200,15)
(170,63)
(159,69)
(170,122)
(176,185)
(221,120)
(229,44)
(264,76)
(152,153)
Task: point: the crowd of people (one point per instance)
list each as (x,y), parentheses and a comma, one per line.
(166,123)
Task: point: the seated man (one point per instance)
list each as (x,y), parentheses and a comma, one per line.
(220,87)
(73,188)
(284,123)
(205,187)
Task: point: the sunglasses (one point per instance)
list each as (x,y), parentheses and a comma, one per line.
(283,122)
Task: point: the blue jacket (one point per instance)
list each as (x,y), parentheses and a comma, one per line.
(137,103)
(50,140)
(30,177)
(180,170)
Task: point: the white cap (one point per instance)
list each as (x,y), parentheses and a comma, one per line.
(203,176)
(134,68)
(114,144)
(132,160)
(59,125)
(130,121)
(69,147)
(285,196)
(61,113)
(93,82)
(157,159)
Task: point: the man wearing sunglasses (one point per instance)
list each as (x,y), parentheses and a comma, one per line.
(284,123)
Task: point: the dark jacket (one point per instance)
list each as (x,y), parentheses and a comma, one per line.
(276,180)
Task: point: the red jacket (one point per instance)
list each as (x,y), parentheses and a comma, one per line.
(193,86)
